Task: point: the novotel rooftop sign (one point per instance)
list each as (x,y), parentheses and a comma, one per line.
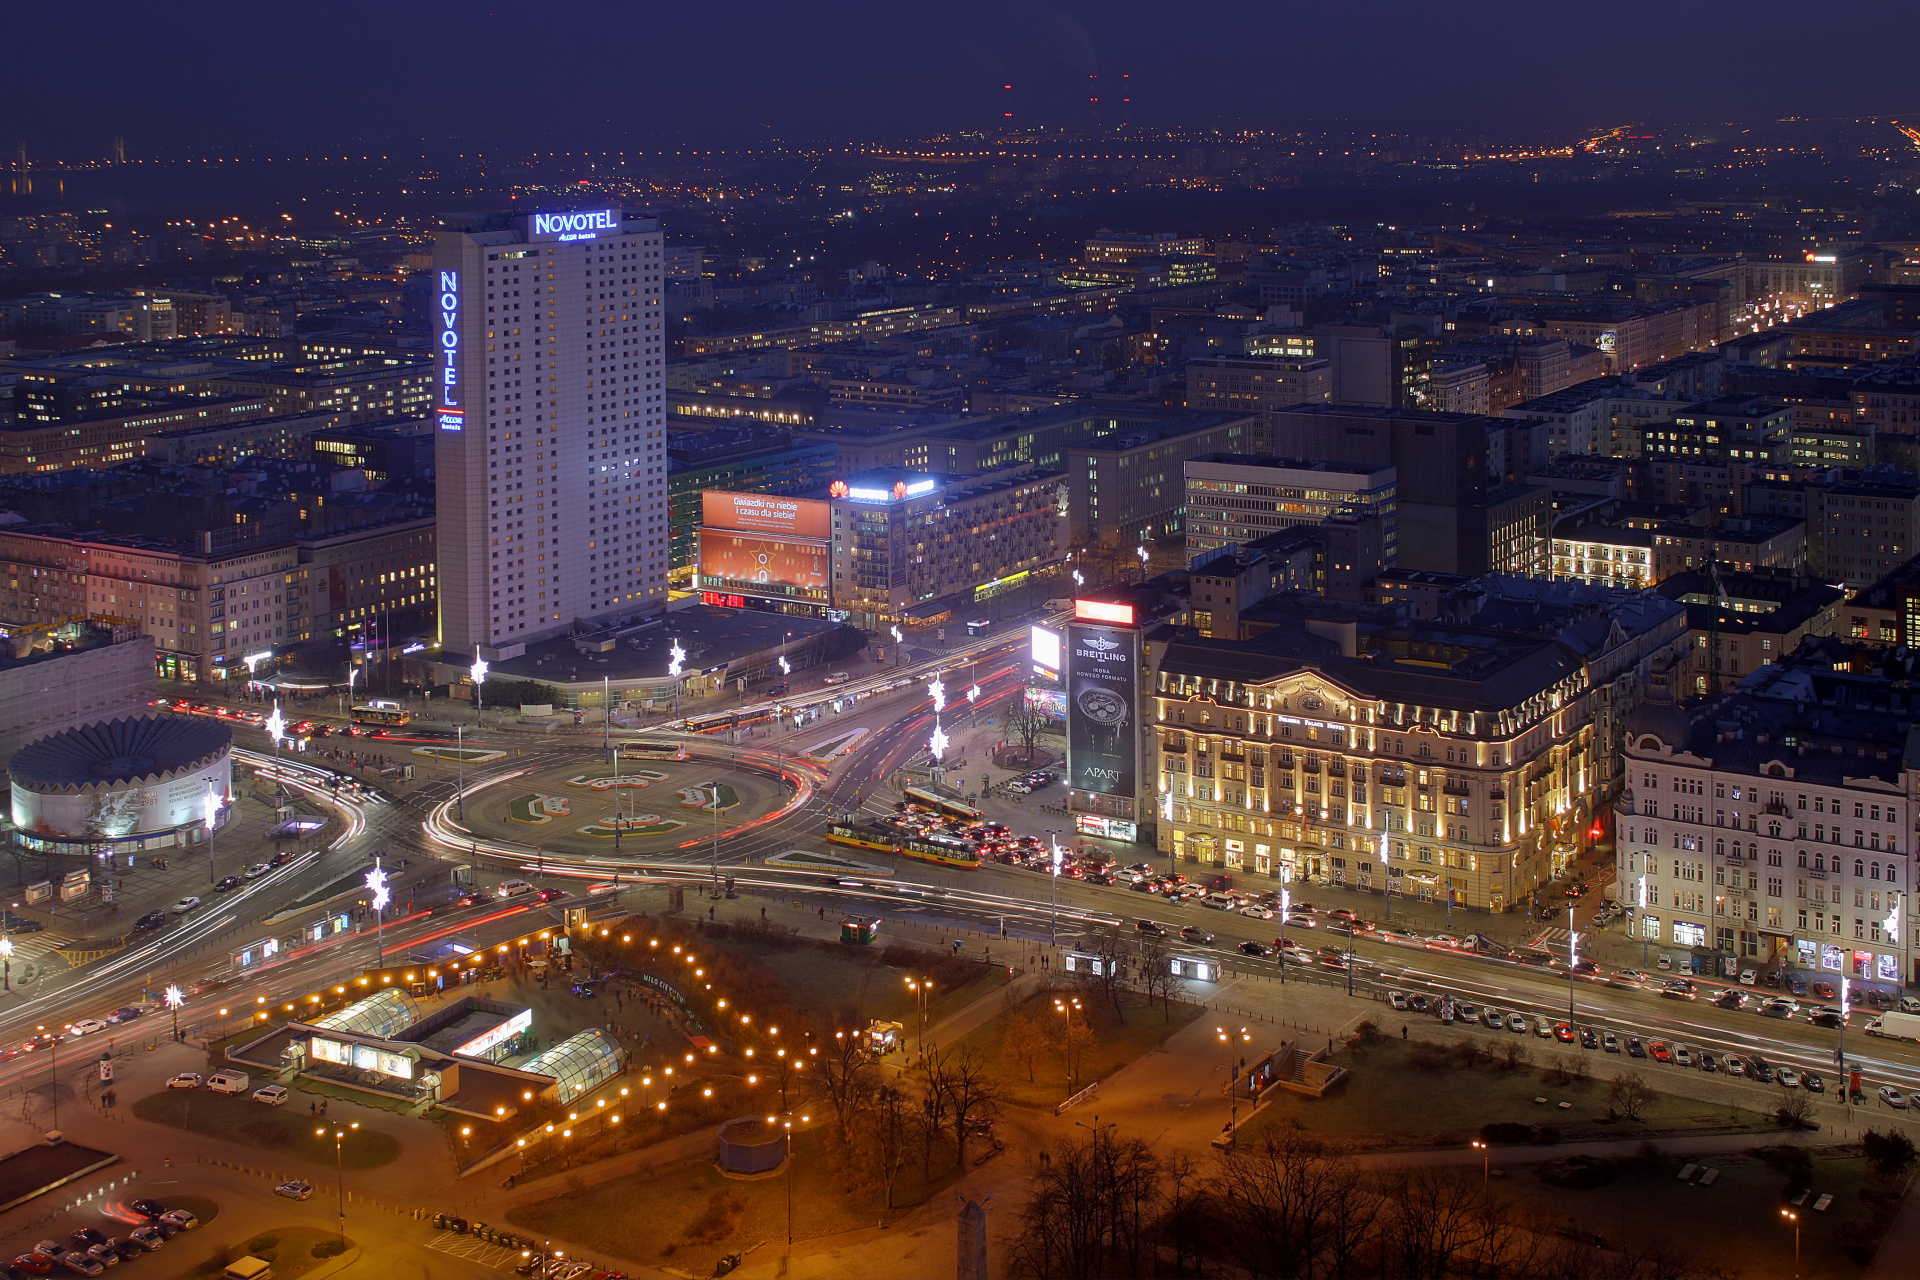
(582,224)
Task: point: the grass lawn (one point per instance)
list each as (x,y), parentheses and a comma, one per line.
(687,1216)
(1389,1102)
(1734,1226)
(828,979)
(281,1130)
(1116,1042)
(289,1249)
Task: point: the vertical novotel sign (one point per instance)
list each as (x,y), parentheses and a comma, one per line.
(586,224)
(451,413)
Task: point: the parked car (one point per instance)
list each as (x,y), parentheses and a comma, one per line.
(1398,1000)
(1563,1033)
(185,905)
(294,1190)
(1610,1042)
(1708,1062)
(147,1238)
(185,1080)
(1589,1039)
(1747,977)
(257,870)
(1636,1049)
(185,1219)
(1494,1019)
(1760,1069)
(1813,1082)
(1892,1097)
(1788,1078)
(273,1095)
(1516,1023)
(150,1209)
(1682,1056)
(1734,1065)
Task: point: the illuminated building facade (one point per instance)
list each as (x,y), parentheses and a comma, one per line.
(1429,761)
(550,414)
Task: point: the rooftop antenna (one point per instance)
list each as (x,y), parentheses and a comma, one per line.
(1126,99)
(1093,100)
(1007,113)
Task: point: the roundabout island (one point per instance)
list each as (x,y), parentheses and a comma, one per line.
(650,809)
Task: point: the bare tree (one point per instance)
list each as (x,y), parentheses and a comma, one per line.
(888,1125)
(1111,977)
(844,1078)
(1629,1094)
(1433,1224)
(1157,976)
(1025,724)
(1271,1206)
(971,1097)
(1093,1211)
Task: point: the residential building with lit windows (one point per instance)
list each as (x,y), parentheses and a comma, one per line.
(1773,829)
(1258,385)
(1428,760)
(550,408)
(1741,543)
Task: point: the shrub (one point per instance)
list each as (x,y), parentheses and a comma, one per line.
(1506,1131)
(1889,1153)
(1426,1056)
(329,1248)
(1545,1134)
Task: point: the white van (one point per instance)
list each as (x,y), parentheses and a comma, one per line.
(1060,605)
(839,677)
(512,889)
(228,1082)
(1220,902)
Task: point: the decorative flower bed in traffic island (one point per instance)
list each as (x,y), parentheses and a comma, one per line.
(636,780)
(472,755)
(718,797)
(640,824)
(538,809)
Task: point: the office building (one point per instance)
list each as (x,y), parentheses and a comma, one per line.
(550,404)
(1258,385)
(740,459)
(1236,498)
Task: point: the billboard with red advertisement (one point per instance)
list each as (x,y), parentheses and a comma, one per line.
(756,565)
(766,513)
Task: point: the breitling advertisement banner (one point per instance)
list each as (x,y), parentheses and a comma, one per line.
(1103,667)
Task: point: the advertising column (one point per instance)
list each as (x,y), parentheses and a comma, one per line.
(1102,687)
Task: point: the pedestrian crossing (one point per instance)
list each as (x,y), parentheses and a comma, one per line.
(1551,937)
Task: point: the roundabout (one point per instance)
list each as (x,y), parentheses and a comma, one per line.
(663,810)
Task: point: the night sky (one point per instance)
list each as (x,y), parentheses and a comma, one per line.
(195,77)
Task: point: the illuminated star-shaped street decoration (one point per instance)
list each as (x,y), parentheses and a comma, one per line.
(973,694)
(174,997)
(377,884)
(479,669)
(1166,806)
(1892,923)
(1078,581)
(677,656)
(937,690)
(276,725)
(1141,551)
(897,637)
(937,744)
(785,668)
(210,809)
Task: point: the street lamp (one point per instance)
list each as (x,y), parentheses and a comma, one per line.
(174,997)
(898,640)
(1641,920)
(1286,904)
(1486,1160)
(478,671)
(339,1174)
(1066,1009)
(1573,959)
(1231,1039)
(460,769)
(921,990)
(353,674)
(6,962)
(1794,1218)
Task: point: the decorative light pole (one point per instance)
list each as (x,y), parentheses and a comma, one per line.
(1573,960)
(1141,551)
(479,673)
(1053,885)
(937,744)
(175,998)
(276,727)
(460,769)
(898,640)
(1286,907)
(676,659)
(6,962)
(211,811)
(1641,920)
(714,798)
(377,884)
(353,673)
